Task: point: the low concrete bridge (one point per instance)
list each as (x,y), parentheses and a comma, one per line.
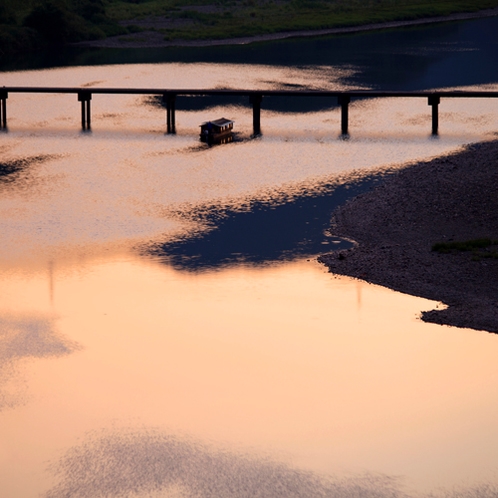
(255,97)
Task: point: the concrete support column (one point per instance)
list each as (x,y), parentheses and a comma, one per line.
(170,99)
(3,108)
(343,101)
(255,99)
(85,97)
(434,102)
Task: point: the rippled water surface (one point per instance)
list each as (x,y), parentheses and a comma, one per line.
(164,327)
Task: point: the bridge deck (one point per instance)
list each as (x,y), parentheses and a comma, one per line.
(255,98)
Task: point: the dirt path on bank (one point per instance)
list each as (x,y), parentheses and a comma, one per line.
(154,39)
(451,198)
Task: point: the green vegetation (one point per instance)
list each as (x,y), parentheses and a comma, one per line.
(208,19)
(480,248)
(28,24)
(32,24)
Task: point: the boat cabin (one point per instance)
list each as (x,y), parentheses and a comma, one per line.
(217,130)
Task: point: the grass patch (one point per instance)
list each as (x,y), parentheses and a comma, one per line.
(232,18)
(480,248)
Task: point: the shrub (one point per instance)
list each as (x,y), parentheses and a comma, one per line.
(16,39)
(54,22)
(6,15)
(57,24)
(91,10)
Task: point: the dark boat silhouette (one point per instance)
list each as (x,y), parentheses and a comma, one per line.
(217,131)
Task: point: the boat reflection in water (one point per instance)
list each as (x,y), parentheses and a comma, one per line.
(219,131)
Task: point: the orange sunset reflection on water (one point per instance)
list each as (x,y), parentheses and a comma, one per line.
(130,369)
(327,375)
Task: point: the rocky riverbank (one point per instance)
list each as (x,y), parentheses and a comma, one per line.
(451,198)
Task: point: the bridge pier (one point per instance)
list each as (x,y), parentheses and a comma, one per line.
(343,101)
(255,99)
(85,97)
(3,108)
(170,100)
(434,102)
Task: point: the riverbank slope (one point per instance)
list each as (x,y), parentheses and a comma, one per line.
(395,226)
(152,35)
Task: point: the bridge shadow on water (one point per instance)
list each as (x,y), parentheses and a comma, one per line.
(269,103)
(264,234)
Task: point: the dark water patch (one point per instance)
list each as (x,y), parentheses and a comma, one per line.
(10,167)
(265,232)
(10,170)
(275,104)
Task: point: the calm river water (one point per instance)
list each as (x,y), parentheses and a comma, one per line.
(165,329)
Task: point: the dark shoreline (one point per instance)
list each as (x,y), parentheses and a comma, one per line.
(152,39)
(450,198)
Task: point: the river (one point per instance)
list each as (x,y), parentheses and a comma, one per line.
(165,327)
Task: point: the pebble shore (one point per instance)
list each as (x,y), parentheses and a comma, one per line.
(450,198)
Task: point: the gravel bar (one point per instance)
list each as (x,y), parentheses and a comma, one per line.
(394,226)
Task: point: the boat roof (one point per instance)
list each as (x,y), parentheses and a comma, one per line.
(219,122)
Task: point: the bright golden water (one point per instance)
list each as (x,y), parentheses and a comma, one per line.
(121,376)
